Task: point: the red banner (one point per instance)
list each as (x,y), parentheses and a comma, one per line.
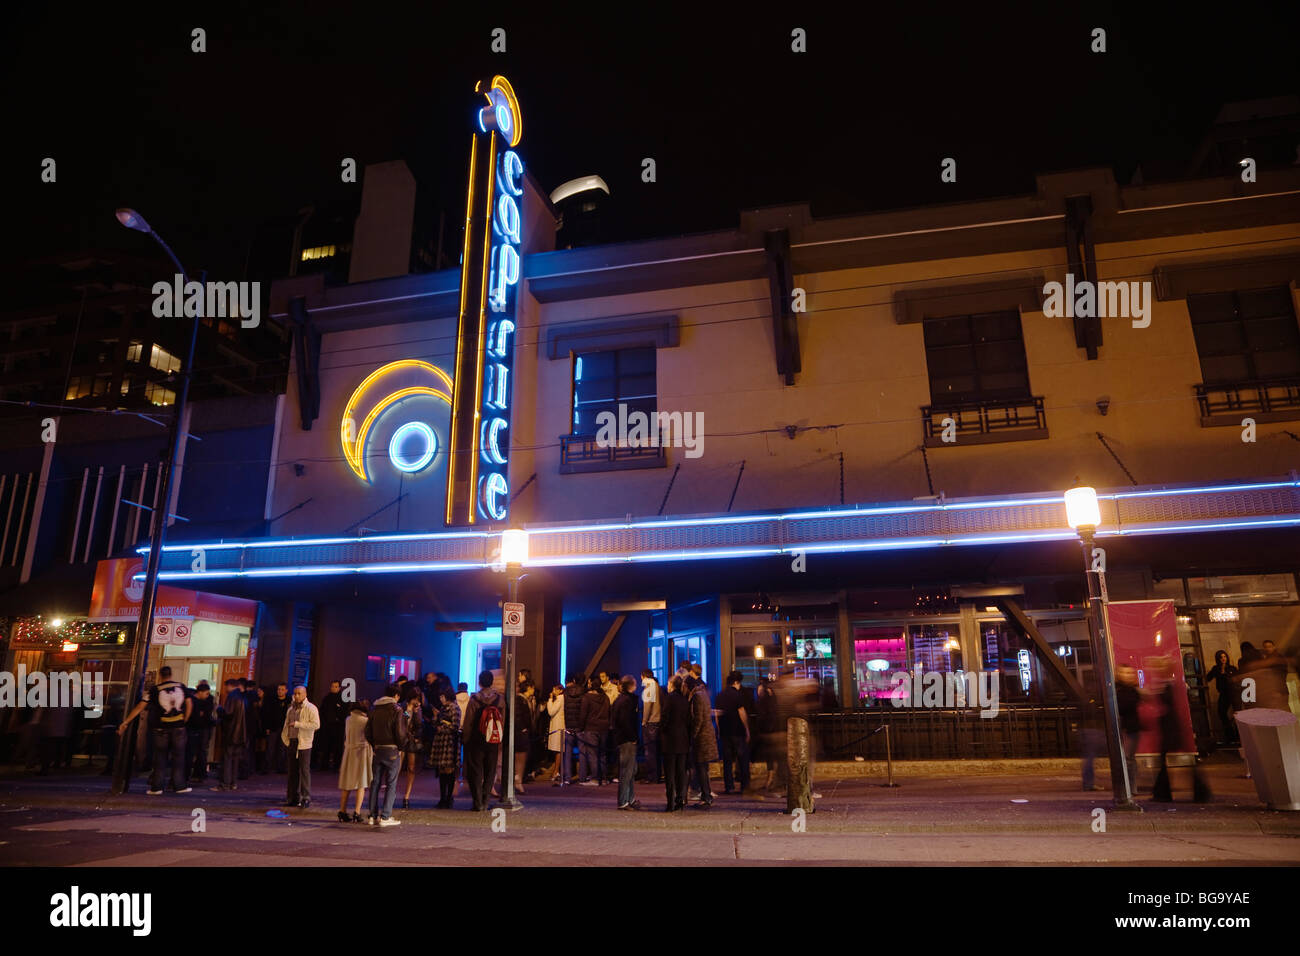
(1144,635)
(116,597)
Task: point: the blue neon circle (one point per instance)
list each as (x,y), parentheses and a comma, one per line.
(400,461)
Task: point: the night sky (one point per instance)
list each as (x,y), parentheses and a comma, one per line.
(207,146)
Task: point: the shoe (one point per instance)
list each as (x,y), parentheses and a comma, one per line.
(343,816)
(186,790)
(816,795)
(305,804)
(220,789)
(372,821)
(625,806)
(154,793)
(669,808)
(634,805)
(588,783)
(356,818)
(728,793)
(390,822)
(558,783)
(679,806)
(406,803)
(290,803)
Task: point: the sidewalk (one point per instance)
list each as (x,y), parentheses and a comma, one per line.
(925,819)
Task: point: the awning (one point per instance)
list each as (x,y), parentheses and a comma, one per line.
(116,597)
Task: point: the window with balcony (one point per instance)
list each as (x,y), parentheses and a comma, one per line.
(979,381)
(617,383)
(1248,344)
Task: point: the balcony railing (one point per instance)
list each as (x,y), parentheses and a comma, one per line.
(1276,400)
(978,422)
(580,453)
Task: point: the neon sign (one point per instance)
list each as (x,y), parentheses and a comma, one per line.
(414,444)
(478,485)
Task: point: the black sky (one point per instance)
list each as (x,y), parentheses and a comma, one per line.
(209,145)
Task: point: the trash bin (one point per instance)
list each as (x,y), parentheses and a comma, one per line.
(1271,741)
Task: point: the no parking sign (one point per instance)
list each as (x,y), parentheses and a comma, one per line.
(512,620)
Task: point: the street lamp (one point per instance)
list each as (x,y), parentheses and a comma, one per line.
(157,519)
(514,552)
(1083,513)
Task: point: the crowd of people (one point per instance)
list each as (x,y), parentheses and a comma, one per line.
(591,732)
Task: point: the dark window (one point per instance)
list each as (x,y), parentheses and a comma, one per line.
(976,358)
(604,380)
(1246,336)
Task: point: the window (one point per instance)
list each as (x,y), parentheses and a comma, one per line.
(101,385)
(317,252)
(135,351)
(126,385)
(1247,336)
(159,395)
(604,380)
(164,360)
(976,358)
(375,669)
(78,387)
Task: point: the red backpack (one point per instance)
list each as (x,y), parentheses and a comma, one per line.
(490,724)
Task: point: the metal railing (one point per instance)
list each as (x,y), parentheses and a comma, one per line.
(985,418)
(1260,397)
(584,453)
(1017,731)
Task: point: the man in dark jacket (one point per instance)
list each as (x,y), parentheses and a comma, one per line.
(251,760)
(273,711)
(733,730)
(704,740)
(387,733)
(481,755)
(624,724)
(593,725)
(333,719)
(674,742)
(199,731)
(573,692)
(232,727)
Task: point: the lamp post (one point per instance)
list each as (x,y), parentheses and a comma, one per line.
(514,552)
(157,519)
(1084,514)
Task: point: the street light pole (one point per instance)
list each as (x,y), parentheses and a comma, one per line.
(1084,515)
(514,550)
(157,523)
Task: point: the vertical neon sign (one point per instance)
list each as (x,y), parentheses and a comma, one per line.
(478,484)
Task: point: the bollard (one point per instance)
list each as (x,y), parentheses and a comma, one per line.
(889,759)
(798,792)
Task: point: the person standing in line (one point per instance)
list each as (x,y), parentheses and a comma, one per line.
(650,717)
(675,743)
(733,729)
(574,690)
(555,731)
(386,733)
(1221,675)
(412,752)
(704,739)
(198,731)
(169,709)
(233,730)
(623,718)
(273,711)
(462,701)
(484,731)
(358,758)
(608,752)
(254,756)
(593,724)
(525,717)
(334,715)
(301,721)
(446,746)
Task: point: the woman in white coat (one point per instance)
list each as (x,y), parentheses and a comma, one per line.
(354,771)
(555,732)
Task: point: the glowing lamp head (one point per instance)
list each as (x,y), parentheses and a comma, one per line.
(57,622)
(132,220)
(1081,508)
(514,547)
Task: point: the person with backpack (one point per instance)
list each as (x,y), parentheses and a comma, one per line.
(169,709)
(386,732)
(484,731)
(593,726)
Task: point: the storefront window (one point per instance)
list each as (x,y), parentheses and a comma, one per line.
(878,654)
(1242,589)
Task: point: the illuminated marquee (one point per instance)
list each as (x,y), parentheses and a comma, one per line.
(478,485)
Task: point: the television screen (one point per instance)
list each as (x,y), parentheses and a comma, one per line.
(806,647)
